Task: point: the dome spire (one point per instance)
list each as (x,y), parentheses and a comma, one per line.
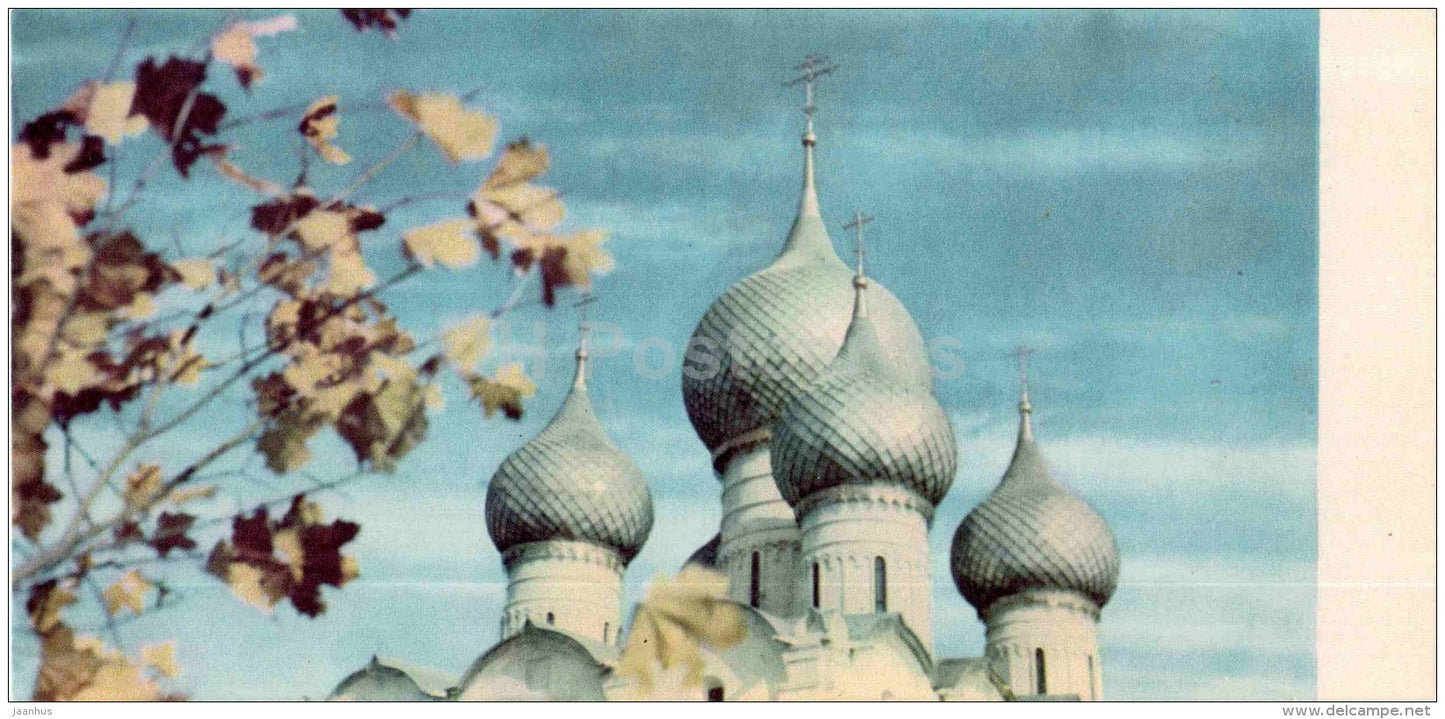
(860,280)
(1026,426)
(584,331)
(813,67)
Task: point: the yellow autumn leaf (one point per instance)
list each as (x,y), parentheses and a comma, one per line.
(142,485)
(350,569)
(323,229)
(71,371)
(432,395)
(520,162)
(509,208)
(35,180)
(585,257)
(129,592)
(87,329)
(678,617)
(197,273)
(46,616)
(187,368)
(466,343)
(118,680)
(503,392)
(448,242)
(142,306)
(461,133)
(288,543)
(349,273)
(182,495)
(246,583)
(108,112)
(320,126)
(162,658)
(236,45)
(390,366)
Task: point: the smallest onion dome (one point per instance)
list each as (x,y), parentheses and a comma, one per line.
(570,482)
(864,422)
(1033,533)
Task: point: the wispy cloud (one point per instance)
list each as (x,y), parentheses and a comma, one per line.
(1059,151)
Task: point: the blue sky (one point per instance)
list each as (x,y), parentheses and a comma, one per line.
(1132,193)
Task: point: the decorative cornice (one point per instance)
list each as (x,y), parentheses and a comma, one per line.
(741,443)
(881,494)
(1049,598)
(745,545)
(562,549)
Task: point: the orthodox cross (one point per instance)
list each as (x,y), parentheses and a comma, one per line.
(856,225)
(1022,353)
(584,321)
(814,66)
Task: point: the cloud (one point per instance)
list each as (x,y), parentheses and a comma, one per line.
(1059,151)
(677,227)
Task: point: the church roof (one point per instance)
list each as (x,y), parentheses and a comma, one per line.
(774,332)
(865,420)
(570,482)
(386,679)
(706,555)
(537,663)
(1033,533)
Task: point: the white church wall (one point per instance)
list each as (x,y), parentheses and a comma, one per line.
(1062,625)
(845,534)
(563,584)
(756,519)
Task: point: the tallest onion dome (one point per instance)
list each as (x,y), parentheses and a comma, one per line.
(766,339)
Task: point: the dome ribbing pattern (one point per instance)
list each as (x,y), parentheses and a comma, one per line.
(570,482)
(774,332)
(864,421)
(1033,533)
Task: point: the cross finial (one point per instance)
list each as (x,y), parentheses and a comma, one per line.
(584,321)
(584,329)
(1022,354)
(1026,429)
(856,225)
(814,66)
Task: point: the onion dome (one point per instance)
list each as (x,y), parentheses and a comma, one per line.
(865,420)
(1033,533)
(570,482)
(769,336)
